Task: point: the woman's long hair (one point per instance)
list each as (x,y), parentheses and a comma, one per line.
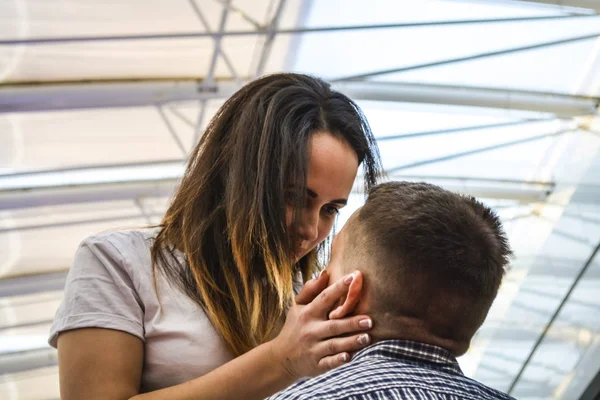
(228,214)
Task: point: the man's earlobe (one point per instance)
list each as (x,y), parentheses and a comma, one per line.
(352,298)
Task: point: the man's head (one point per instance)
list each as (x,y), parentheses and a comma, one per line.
(433,261)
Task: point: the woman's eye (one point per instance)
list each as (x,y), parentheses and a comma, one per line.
(331,210)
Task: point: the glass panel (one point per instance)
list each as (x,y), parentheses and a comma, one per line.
(51,249)
(541,276)
(354,12)
(37,384)
(28,310)
(347,53)
(62,139)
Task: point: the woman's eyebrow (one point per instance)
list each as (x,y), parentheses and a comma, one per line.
(314,195)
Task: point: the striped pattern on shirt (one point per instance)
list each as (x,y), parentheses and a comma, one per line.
(394,369)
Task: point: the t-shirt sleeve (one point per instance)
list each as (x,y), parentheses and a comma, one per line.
(99,292)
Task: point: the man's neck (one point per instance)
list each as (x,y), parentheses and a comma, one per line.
(403,328)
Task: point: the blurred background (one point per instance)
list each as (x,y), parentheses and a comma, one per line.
(101,101)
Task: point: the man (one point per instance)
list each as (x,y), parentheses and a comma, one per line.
(432,263)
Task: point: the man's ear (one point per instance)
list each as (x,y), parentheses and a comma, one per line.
(352,298)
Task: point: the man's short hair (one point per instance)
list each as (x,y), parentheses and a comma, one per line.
(433,255)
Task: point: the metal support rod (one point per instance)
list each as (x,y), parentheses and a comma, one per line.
(244,15)
(589,4)
(217,44)
(269,39)
(192,35)
(172,131)
(130,93)
(199,122)
(22,361)
(222,52)
(475,151)
(462,129)
(547,184)
(26,325)
(561,105)
(145,215)
(468,58)
(32,284)
(182,117)
(553,318)
(209,79)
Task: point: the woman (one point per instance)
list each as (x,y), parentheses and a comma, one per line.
(196,308)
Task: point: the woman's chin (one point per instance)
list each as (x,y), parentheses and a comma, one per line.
(300,254)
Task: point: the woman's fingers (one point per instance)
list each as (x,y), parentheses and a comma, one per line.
(331,362)
(351,299)
(325,301)
(334,349)
(312,288)
(339,327)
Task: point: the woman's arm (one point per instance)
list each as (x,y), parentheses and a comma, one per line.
(99,364)
(105,364)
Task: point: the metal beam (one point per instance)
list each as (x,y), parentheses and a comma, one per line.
(291,31)
(469,58)
(32,227)
(547,185)
(206,25)
(77,191)
(22,361)
(172,130)
(85,95)
(78,194)
(460,130)
(521,191)
(545,333)
(33,284)
(94,174)
(589,4)
(217,44)
(561,105)
(269,39)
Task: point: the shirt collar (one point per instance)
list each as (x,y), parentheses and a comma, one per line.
(435,356)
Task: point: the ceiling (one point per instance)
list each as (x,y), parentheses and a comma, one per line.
(100,102)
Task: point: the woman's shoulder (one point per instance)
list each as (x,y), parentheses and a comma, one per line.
(128,243)
(123,238)
(128,250)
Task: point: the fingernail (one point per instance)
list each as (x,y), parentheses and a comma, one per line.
(364,339)
(348,279)
(322,272)
(343,357)
(365,323)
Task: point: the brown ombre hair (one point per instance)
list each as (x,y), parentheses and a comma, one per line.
(228,214)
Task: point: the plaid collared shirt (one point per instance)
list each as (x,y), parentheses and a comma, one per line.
(394,369)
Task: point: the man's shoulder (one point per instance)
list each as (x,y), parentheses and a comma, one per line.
(331,385)
(390,379)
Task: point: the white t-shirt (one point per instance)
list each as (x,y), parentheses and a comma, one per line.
(110,285)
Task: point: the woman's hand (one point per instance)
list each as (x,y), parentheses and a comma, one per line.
(310,343)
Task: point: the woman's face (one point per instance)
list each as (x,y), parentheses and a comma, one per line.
(332,168)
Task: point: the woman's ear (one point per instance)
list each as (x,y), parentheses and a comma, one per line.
(352,298)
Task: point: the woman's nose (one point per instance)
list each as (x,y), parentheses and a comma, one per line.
(308,228)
